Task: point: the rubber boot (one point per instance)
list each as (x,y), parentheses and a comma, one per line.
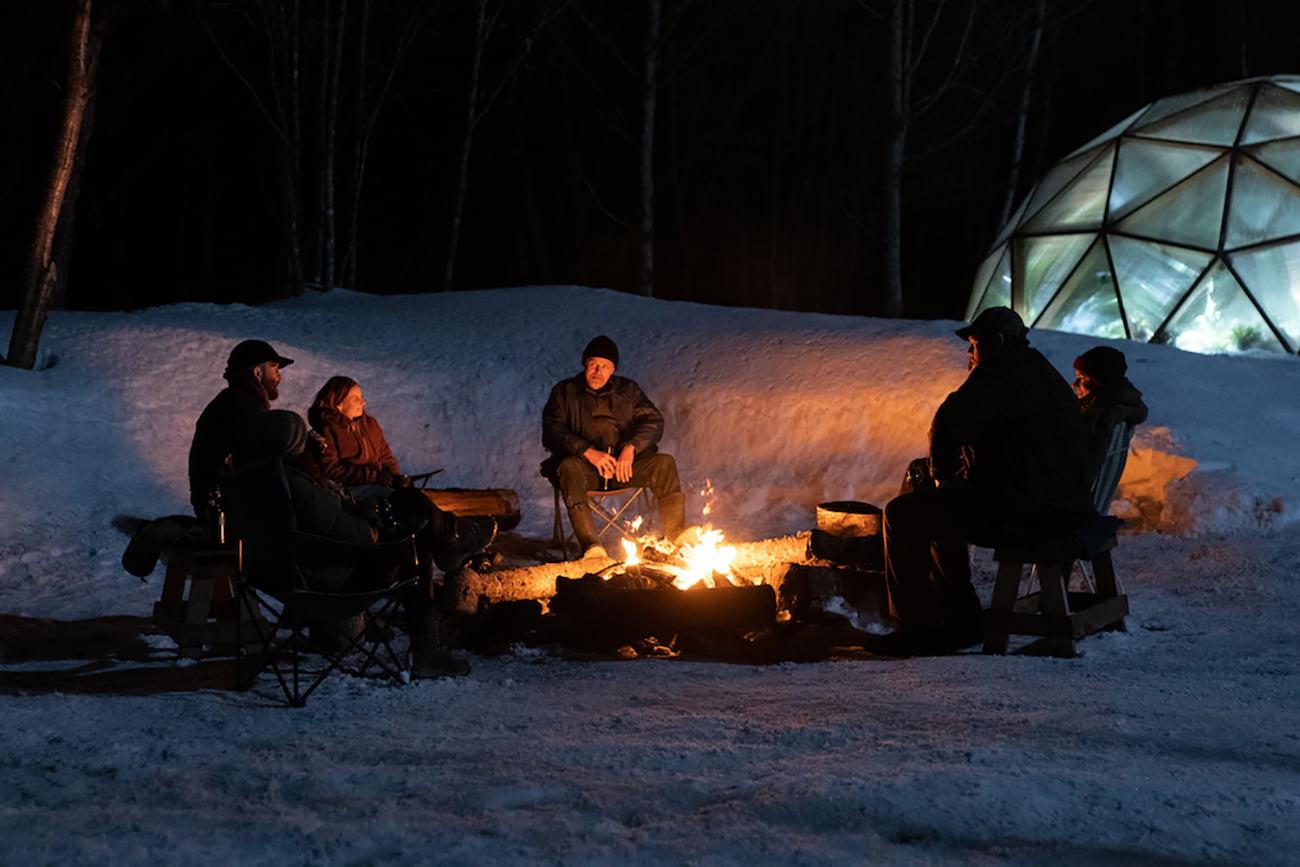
(672,515)
(584,527)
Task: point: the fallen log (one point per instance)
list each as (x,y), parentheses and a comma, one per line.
(500,503)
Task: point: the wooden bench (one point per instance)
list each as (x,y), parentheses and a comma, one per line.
(198,608)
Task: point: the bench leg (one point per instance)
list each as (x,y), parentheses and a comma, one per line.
(1006,589)
(1055,605)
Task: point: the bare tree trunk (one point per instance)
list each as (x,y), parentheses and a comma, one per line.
(482,30)
(39,281)
(335,25)
(1022,116)
(648,106)
(895,152)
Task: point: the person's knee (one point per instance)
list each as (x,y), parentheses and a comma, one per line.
(660,472)
(574,480)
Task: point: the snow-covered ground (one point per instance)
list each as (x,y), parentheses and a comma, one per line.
(1175,742)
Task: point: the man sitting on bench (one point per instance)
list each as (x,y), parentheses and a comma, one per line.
(1007,457)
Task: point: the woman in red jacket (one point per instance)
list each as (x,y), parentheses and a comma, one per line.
(357,453)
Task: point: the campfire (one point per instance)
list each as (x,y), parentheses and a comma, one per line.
(706,563)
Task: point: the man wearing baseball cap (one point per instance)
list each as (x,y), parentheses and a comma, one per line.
(1007,454)
(223,434)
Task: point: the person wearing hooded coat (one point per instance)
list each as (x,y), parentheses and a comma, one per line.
(1106,398)
(1007,455)
(326,509)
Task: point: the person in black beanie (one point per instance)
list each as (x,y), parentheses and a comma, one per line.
(601,428)
(1106,398)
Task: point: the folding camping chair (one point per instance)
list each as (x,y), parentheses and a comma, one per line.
(1055,615)
(270,576)
(610,509)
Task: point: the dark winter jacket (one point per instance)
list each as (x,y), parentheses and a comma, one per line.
(357,453)
(1102,410)
(1013,432)
(322,512)
(224,433)
(577,418)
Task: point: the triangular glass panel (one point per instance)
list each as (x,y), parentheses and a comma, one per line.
(1145,168)
(1282,157)
(1087,303)
(1048,262)
(1114,132)
(1290,82)
(1060,175)
(1275,114)
(1215,122)
(1219,318)
(1265,206)
(1190,214)
(1081,204)
(1272,274)
(1172,105)
(992,283)
(1152,278)
(1012,223)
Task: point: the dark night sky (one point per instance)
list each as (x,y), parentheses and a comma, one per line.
(769,144)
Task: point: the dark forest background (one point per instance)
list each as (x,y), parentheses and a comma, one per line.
(775,129)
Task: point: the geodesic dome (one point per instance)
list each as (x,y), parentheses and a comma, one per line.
(1180,225)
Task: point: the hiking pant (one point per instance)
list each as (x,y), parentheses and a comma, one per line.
(658,472)
(927,562)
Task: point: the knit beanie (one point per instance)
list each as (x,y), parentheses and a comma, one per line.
(281,434)
(1102,363)
(601,347)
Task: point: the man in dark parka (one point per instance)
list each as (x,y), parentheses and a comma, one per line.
(602,428)
(224,432)
(1007,455)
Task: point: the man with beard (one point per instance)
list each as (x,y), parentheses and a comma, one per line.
(224,435)
(1007,457)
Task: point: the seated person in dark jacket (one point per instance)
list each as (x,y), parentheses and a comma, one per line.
(1007,455)
(1106,398)
(224,428)
(358,453)
(601,429)
(324,509)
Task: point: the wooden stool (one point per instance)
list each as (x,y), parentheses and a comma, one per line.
(208,617)
(1058,616)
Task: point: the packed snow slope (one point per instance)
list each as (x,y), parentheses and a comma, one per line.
(772,412)
(1173,743)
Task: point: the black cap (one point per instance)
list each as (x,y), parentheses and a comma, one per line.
(601,347)
(251,353)
(995,320)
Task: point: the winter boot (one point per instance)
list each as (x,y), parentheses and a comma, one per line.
(584,527)
(672,515)
(472,535)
